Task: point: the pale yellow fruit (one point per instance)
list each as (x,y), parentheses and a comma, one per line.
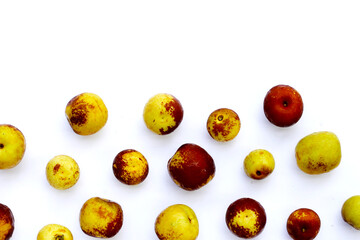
(12,146)
(259,163)
(177,222)
(163,113)
(350,211)
(54,232)
(62,172)
(86,113)
(318,153)
(223,124)
(101,217)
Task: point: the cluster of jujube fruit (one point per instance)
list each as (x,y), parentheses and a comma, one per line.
(191,167)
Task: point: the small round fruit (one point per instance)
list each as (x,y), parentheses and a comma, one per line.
(245,217)
(130,167)
(223,124)
(54,232)
(318,153)
(303,224)
(259,164)
(177,222)
(163,113)
(12,146)
(350,211)
(101,218)
(62,172)
(86,113)
(283,106)
(191,167)
(7,222)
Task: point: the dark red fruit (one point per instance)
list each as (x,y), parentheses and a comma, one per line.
(283,106)
(303,224)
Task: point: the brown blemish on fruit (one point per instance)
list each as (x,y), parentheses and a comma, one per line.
(56,168)
(317,166)
(59,237)
(79,111)
(175,110)
(221,128)
(1,146)
(261,173)
(115,225)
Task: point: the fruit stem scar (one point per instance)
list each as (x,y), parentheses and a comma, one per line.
(285,103)
(258,173)
(1,146)
(59,237)
(220,117)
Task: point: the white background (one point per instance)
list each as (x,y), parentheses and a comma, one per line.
(209,54)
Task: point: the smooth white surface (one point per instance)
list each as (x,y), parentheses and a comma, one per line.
(209,54)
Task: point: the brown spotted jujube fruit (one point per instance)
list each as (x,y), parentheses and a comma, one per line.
(163,113)
(245,217)
(86,113)
(223,124)
(130,167)
(101,217)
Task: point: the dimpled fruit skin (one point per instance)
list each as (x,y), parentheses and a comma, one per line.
(223,124)
(350,211)
(62,172)
(246,218)
(163,113)
(318,153)
(54,232)
(191,167)
(12,146)
(86,113)
(130,167)
(6,222)
(101,218)
(177,222)
(303,224)
(259,163)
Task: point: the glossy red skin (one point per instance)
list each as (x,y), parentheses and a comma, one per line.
(197,169)
(283,106)
(241,205)
(303,228)
(7,216)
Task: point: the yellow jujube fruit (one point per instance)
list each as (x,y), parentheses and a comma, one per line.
(318,153)
(54,232)
(62,172)
(177,222)
(86,113)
